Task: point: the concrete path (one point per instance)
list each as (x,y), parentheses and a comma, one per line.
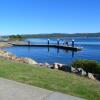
(11,90)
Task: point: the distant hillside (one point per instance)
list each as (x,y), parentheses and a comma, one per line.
(57,35)
(61,35)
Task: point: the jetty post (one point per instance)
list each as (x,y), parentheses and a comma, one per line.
(48,45)
(58,42)
(66,43)
(29,43)
(73,43)
(48,41)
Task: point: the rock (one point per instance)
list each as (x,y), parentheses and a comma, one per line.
(6,55)
(46,64)
(97,76)
(83,73)
(50,66)
(25,60)
(61,67)
(66,68)
(55,66)
(13,57)
(58,65)
(10,56)
(73,69)
(20,60)
(80,71)
(30,61)
(90,76)
(41,64)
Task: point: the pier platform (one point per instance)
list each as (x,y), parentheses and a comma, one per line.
(50,45)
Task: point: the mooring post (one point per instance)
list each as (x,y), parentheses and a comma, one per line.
(48,41)
(58,42)
(29,43)
(66,43)
(72,43)
(63,42)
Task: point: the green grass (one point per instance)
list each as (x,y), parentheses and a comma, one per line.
(50,79)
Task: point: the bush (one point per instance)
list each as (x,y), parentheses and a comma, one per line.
(87,65)
(15,37)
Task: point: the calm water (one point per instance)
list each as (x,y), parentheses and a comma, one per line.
(91,51)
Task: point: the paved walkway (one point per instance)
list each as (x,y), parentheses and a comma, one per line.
(11,90)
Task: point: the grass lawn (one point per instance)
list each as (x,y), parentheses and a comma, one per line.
(50,79)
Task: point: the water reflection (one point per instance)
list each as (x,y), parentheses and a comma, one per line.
(57,51)
(67,51)
(43,54)
(48,49)
(29,49)
(73,52)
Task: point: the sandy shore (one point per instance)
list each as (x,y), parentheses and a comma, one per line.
(4,44)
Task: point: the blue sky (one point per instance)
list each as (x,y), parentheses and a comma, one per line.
(49,16)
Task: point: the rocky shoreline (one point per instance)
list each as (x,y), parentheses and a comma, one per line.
(58,66)
(12,57)
(77,71)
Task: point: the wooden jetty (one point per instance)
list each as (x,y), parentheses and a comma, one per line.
(48,45)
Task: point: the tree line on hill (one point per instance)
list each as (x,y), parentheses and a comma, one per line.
(61,35)
(53,35)
(15,37)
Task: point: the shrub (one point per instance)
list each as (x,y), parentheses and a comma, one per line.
(15,37)
(88,65)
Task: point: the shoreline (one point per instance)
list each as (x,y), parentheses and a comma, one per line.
(5,44)
(9,56)
(58,66)
(64,67)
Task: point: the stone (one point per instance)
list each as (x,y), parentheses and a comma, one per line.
(83,73)
(19,59)
(50,66)
(41,64)
(66,68)
(55,66)
(30,61)
(13,57)
(10,56)
(58,65)
(46,64)
(80,71)
(97,76)
(6,55)
(90,76)
(61,67)
(73,69)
